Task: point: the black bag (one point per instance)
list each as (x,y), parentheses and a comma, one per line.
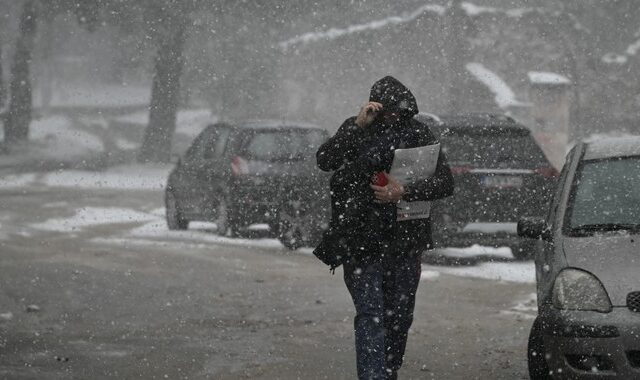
(333,249)
(343,244)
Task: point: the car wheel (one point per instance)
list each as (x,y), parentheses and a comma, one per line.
(295,224)
(224,220)
(175,219)
(538,367)
(288,231)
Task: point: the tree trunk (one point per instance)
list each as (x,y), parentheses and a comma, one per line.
(165,94)
(20,101)
(456,55)
(45,78)
(3,92)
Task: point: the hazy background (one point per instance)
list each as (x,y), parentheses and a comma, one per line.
(99,97)
(315,61)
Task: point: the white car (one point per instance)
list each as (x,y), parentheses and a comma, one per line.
(588,267)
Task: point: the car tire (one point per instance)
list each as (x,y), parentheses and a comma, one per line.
(537,362)
(288,232)
(295,222)
(224,218)
(302,215)
(175,219)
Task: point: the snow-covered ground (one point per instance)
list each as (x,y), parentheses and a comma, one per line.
(523,272)
(17,181)
(152,230)
(188,122)
(92,216)
(73,139)
(151,227)
(66,94)
(476,251)
(56,138)
(125,177)
(525,308)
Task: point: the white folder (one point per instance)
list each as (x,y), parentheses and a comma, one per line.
(413,165)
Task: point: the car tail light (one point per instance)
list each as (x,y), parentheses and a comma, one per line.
(239,166)
(455,170)
(547,172)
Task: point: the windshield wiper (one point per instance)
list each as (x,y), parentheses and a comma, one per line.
(607,227)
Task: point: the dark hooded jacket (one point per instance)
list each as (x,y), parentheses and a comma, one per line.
(360,229)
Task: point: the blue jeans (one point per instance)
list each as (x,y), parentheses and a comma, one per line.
(384,297)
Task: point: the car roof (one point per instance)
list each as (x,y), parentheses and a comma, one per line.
(612,147)
(271,124)
(471,120)
(479,120)
(481,124)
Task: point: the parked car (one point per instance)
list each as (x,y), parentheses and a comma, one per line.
(500,174)
(588,267)
(237,174)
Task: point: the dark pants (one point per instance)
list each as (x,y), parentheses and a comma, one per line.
(384,297)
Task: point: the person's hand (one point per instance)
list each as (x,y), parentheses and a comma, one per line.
(368,113)
(392,192)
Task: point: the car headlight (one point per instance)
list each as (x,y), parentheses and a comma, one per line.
(578,290)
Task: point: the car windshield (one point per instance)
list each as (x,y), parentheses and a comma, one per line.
(283,145)
(495,150)
(605,197)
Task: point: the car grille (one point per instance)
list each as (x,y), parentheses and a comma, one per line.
(633,301)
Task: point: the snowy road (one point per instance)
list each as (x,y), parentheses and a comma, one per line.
(119,296)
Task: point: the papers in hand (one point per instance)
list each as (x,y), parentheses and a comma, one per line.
(412,165)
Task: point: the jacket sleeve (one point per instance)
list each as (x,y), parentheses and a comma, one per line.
(438,186)
(340,148)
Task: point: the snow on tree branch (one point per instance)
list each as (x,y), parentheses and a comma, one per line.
(545,77)
(504,95)
(621,59)
(471,9)
(334,33)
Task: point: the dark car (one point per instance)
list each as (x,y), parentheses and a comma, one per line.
(237,174)
(500,174)
(588,267)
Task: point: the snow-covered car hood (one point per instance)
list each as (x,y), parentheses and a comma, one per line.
(613,258)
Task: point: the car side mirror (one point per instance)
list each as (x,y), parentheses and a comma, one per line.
(534,228)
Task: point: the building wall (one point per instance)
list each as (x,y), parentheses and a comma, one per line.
(550,115)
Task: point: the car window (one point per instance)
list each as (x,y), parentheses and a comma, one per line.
(560,185)
(498,150)
(216,143)
(283,145)
(605,196)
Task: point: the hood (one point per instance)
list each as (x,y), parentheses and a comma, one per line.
(613,258)
(392,94)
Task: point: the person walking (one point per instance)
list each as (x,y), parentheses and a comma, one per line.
(380,252)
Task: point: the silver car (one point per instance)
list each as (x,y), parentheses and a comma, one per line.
(588,267)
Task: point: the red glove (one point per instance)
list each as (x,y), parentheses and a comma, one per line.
(380,179)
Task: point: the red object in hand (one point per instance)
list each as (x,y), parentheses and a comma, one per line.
(380,179)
